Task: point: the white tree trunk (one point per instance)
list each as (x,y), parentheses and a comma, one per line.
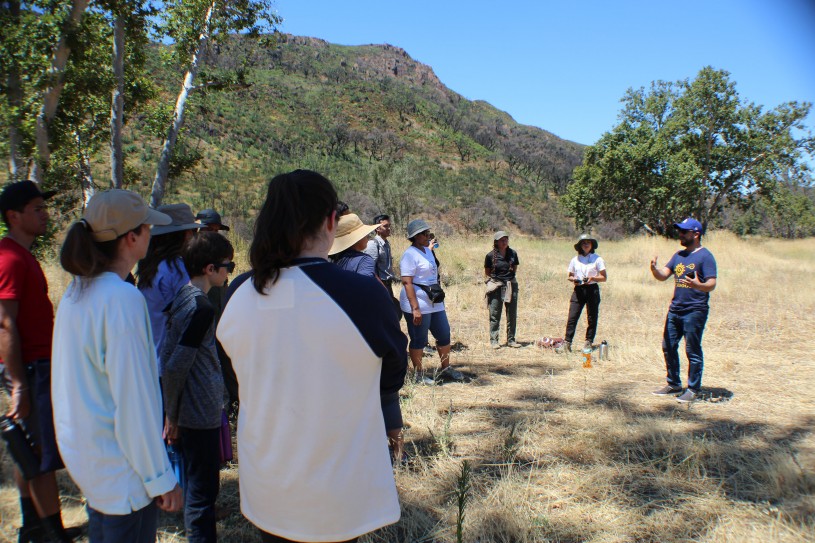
(52,93)
(15,101)
(85,175)
(117,104)
(163,167)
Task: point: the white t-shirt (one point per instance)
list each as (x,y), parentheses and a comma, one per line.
(107,404)
(587,266)
(313,453)
(421,265)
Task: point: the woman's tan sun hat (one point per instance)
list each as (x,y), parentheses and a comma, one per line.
(349,231)
(583,238)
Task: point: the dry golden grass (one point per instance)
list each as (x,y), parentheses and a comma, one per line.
(565,454)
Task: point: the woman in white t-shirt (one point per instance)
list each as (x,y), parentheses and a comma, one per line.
(420,270)
(586,270)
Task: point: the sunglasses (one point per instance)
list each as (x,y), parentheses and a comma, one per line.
(230,266)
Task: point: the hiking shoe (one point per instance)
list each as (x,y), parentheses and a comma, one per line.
(422,379)
(514,344)
(666,390)
(687,397)
(450,374)
(495,345)
(587,346)
(565,347)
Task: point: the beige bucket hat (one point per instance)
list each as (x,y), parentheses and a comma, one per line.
(349,231)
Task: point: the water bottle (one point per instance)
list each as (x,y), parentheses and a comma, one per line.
(586,358)
(176,458)
(604,350)
(20,448)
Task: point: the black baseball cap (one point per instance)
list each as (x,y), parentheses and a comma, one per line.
(15,196)
(210,217)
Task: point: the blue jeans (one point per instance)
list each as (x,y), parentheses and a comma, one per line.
(436,323)
(137,527)
(202,465)
(690,325)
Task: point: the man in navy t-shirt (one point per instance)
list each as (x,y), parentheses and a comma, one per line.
(694,271)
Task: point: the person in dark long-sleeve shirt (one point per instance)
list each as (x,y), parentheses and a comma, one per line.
(193,384)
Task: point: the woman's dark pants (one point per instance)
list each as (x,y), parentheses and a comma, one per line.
(496,305)
(588,296)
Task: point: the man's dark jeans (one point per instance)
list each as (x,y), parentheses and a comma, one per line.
(589,296)
(202,465)
(137,527)
(690,325)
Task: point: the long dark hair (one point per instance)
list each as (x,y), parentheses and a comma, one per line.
(163,247)
(86,258)
(296,206)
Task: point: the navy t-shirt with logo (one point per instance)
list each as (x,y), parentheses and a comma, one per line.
(700,261)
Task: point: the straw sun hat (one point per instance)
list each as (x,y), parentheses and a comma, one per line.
(349,231)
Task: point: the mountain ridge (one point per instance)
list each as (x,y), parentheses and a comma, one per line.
(381,125)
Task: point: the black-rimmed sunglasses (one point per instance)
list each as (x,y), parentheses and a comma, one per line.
(230,266)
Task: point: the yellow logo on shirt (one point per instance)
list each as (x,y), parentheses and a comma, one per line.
(679,273)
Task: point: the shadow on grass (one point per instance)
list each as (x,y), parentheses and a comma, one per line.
(749,462)
(655,468)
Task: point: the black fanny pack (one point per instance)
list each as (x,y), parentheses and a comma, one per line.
(434,292)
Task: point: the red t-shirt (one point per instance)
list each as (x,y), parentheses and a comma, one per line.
(21,279)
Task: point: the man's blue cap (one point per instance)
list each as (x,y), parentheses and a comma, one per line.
(689,224)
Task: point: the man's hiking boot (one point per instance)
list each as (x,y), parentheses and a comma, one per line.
(565,347)
(666,390)
(688,396)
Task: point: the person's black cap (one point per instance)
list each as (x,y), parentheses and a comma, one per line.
(17,195)
(209,217)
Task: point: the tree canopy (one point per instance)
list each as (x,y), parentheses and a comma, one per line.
(689,148)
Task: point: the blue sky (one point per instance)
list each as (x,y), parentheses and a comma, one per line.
(563,66)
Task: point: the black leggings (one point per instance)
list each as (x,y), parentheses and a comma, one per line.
(588,296)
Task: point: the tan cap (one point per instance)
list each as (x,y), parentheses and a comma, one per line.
(115,212)
(349,231)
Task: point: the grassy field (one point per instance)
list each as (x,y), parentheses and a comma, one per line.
(557,452)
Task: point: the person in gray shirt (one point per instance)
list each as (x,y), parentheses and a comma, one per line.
(379,248)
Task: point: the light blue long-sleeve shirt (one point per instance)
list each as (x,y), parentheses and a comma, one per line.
(105,391)
(169,279)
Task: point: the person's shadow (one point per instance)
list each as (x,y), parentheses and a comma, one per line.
(714,395)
